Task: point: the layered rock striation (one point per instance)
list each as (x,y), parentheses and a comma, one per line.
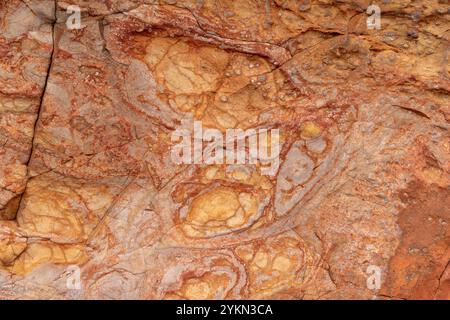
(93,205)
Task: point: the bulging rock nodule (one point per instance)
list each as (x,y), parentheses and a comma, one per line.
(92,204)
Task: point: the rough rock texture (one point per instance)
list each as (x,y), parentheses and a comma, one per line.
(87,180)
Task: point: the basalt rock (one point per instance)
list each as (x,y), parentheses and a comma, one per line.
(92,204)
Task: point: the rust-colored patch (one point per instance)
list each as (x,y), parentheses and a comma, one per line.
(420,267)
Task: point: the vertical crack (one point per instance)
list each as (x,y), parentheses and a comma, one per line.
(441,276)
(44,90)
(268,20)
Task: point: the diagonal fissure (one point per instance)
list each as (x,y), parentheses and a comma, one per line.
(41,102)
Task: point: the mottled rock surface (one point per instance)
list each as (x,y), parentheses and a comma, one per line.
(89,190)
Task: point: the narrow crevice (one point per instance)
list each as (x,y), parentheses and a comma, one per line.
(44,89)
(415,111)
(10,209)
(441,275)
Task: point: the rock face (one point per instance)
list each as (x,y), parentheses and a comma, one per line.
(93,205)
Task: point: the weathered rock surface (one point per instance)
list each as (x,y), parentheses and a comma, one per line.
(87,180)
